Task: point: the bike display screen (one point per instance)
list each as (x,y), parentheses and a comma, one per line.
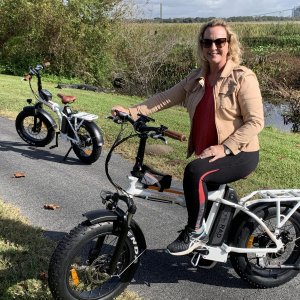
(45,95)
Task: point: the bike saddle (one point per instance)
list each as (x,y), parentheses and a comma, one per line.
(66,99)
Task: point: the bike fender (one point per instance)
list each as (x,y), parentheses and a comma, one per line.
(104,215)
(98,134)
(42,112)
(240,216)
(100,215)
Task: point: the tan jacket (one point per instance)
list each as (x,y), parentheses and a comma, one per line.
(238,105)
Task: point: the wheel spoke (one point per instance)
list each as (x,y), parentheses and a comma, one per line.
(264,241)
(93,277)
(257,268)
(40,133)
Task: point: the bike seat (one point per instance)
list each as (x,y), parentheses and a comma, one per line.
(66,99)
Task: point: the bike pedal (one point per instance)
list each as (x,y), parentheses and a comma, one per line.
(206,264)
(197,256)
(202,251)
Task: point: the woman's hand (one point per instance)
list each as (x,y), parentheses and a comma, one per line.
(215,152)
(119,108)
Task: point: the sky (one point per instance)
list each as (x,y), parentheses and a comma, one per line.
(216,8)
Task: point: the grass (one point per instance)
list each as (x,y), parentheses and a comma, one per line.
(279,163)
(24,257)
(278,33)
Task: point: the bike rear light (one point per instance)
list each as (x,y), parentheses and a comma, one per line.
(74,276)
(250,242)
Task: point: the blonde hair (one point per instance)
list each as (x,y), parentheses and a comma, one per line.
(234,46)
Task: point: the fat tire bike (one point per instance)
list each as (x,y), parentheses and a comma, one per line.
(38,128)
(259,233)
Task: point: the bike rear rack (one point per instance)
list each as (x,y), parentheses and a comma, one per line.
(289,196)
(85,116)
(271,196)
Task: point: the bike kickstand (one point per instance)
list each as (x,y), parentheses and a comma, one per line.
(65,157)
(56,141)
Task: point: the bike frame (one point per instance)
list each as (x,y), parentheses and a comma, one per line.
(276,197)
(77,119)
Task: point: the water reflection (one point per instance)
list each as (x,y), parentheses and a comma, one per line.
(273,116)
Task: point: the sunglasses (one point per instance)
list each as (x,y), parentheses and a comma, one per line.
(220,43)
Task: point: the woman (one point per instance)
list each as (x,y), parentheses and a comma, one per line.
(224,103)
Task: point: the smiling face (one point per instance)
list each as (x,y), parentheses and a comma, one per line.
(216,56)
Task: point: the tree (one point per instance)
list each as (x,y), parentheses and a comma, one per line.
(73,35)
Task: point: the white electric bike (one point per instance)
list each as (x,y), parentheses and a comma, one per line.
(38,128)
(259,232)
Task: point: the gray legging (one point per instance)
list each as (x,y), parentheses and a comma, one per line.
(199,172)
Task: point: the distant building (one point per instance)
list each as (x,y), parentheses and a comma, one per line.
(296,12)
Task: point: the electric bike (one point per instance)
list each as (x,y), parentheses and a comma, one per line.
(259,233)
(38,128)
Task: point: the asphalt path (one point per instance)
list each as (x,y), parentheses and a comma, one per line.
(76,187)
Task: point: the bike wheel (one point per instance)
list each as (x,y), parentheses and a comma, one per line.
(251,235)
(79,266)
(40,135)
(88,150)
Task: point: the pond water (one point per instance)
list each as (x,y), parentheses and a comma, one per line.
(273,116)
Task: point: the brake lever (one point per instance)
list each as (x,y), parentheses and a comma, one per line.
(159,137)
(146,118)
(116,119)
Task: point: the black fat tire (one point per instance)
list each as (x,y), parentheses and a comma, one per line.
(253,274)
(77,241)
(88,154)
(24,124)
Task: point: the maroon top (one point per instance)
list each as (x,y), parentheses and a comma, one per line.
(204,132)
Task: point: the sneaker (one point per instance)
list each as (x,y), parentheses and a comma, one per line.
(187,242)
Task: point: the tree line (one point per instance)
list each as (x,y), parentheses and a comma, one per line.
(229,19)
(73,35)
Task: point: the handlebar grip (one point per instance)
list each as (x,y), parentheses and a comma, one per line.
(175,135)
(27,77)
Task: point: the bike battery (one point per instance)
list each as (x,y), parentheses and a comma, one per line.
(64,122)
(223,219)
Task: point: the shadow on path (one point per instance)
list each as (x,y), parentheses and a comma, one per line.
(36,153)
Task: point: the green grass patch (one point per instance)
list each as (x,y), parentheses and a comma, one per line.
(24,257)
(279,163)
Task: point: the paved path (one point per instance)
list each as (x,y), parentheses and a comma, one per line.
(76,187)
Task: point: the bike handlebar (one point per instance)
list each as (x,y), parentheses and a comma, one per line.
(175,135)
(36,70)
(140,126)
